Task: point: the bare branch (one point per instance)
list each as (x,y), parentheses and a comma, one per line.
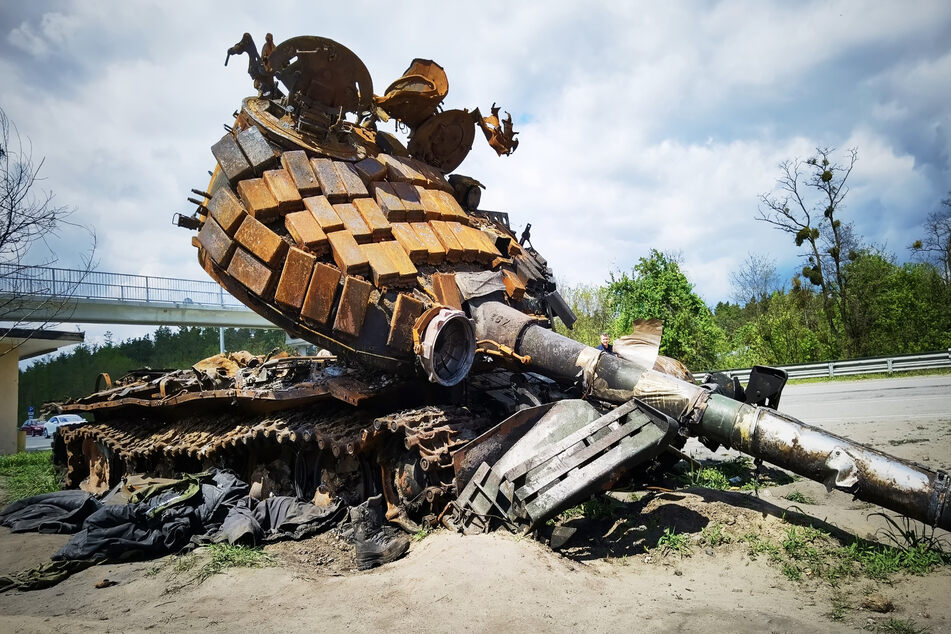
(29,217)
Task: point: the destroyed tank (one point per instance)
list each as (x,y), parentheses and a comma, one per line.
(445,387)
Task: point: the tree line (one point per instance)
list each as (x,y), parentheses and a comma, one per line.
(73,374)
(850,299)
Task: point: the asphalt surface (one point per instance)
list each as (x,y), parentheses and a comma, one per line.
(38,443)
(873,401)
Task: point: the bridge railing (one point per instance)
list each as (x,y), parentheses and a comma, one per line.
(44,281)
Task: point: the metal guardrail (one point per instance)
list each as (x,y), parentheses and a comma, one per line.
(44,281)
(877,365)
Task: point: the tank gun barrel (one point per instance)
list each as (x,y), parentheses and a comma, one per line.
(902,486)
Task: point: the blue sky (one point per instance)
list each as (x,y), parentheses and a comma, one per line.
(642,125)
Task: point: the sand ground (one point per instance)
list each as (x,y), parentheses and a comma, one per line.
(608,578)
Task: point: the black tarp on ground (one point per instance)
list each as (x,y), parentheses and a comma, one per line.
(59,512)
(208,507)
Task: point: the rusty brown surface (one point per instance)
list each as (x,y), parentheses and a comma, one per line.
(292,286)
(389,202)
(250,272)
(226,209)
(256,238)
(454,250)
(374,217)
(216,242)
(499,133)
(407,238)
(409,198)
(353,222)
(258,199)
(298,166)
(351,179)
(447,293)
(383,269)
(426,235)
(321,293)
(352,309)
(471,246)
(281,186)
(323,213)
(405,313)
(347,254)
(414,97)
(407,270)
(331,185)
(306,232)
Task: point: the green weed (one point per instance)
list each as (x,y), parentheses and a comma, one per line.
(597,508)
(799,497)
(714,535)
(897,626)
(27,473)
(806,551)
(224,556)
(670,541)
(420,534)
(708,477)
(840,607)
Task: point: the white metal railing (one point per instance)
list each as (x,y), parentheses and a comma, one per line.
(44,281)
(877,365)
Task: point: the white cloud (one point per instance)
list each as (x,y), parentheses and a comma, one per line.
(54,34)
(648,127)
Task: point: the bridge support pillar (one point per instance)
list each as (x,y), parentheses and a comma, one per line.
(9,384)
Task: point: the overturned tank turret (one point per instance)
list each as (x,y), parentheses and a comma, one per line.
(448,389)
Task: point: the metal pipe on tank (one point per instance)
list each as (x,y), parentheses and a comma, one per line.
(908,488)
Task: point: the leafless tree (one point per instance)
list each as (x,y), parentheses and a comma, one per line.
(936,245)
(755,280)
(29,220)
(807,198)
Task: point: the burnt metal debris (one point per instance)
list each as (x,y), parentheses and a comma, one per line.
(448,394)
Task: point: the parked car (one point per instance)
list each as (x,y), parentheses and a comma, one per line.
(54,423)
(33,426)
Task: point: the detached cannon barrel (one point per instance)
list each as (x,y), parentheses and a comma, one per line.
(900,485)
(874,476)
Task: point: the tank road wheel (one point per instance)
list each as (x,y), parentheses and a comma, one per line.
(103,468)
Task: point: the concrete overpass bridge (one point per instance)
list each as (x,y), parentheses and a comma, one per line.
(35,296)
(40,294)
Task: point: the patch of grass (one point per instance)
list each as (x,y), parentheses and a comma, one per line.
(737,473)
(708,477)
(27,473)
(809,552)
(907,441)
(792,572)
(714,535)
(909,534)
(760,546)
(671,541)
(840,607)
(420,535)
(600,507)
(799,497)
(897,626)
(224,556)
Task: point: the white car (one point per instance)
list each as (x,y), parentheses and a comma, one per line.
(62,419)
